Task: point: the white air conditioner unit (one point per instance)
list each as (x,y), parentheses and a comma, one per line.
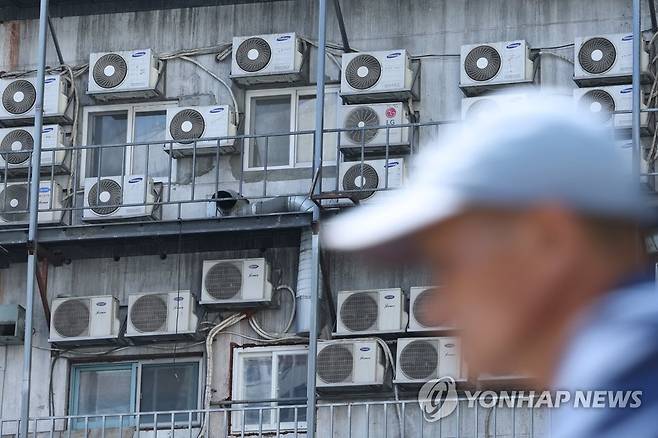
(120,75)
(361,124)
(602,102)
(14,203)
(421,301)
(91,318)
(355,363)
(364,181)
(161,314)
(186,126)
(19,96)
(606,59)
(370,312)
(273,58)
(237,282)
(423,359)
(16,146)
(493,64)
(118,197)
(376,76)
(474,108)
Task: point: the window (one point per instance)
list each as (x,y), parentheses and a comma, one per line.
(272,377)
(118,124)
(281,112)
(128,388)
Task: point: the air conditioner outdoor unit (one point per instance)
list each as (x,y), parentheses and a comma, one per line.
(91,318)
(121,75)
(118,197)
(370,312)
(351,364)
(263,59)
(19,96)
(606,59)
(16,146)
(187,125)
(14,203)
(382,76)
(493,64)
(602,102)
(365,180)
(423,359)
(420,310)
(236,283)
(474,108)
(161,314)
(361,124)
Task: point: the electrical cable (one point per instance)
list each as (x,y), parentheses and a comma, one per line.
(389,357)
(255,325)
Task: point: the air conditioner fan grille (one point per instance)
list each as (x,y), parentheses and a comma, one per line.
(363,72)
(71,318)
(223,281)
(361,180)
(148,313)
(597,55)
(14,203)
(108,199)
(362,123)
(253,54)
(335,363)
(482,63)
(359,311)
(17,146)
(422,307)
(110,70)
(187,125)
(19,97)
(419,360)
(598,103)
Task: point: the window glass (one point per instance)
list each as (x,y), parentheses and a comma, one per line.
(291,384)
(257,383)
(104,391)
(306,121)
(169,387)
(270,115)
(150,127)
(106,129)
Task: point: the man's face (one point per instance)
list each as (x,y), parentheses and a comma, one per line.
(499,273)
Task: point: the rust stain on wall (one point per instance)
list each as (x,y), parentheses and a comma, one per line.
(13,37)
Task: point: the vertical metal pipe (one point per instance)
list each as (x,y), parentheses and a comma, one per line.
(637,47)
(34,221)
(311,415)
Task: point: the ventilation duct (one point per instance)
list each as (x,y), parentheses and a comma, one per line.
(282,204)
(227,202)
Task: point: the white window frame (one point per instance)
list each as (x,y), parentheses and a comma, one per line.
(294,93)
(131,109)
(237,387)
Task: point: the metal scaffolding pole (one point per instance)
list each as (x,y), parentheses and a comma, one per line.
(637,48)
(311,414)
(34,221)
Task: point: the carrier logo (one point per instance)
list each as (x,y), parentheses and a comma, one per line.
(393,164)
(283,38)
(626,90)
(101,303)
(44,189)
(49,80)
(216,110)
(364,349)
(389,297)
(512,45)
(138,54)
(393,55)
(47,130)
(254,266)
(391,112)
(178,299)
(627,37)
(135,180)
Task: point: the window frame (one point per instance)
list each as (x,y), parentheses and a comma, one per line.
(136,367)
(237,386)
(295,93)
(131,109)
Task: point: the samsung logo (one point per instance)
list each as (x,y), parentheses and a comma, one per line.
(135,180)
(364,348)
(389,297)
(254,266)
(101,303)
(138,54)
(627,37)
(283,38)
(179,299)
(393,164)
(49,80)
(47,130)
(512,46)
(626,90)
(44,189)
(393,55)
(216,110)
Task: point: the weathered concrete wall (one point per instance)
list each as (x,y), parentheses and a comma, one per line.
(421,26)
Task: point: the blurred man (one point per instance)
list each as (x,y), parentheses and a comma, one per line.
(529,220)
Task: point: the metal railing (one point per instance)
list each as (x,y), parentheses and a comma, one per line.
(359,419)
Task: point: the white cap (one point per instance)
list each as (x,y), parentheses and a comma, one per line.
(537,151)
